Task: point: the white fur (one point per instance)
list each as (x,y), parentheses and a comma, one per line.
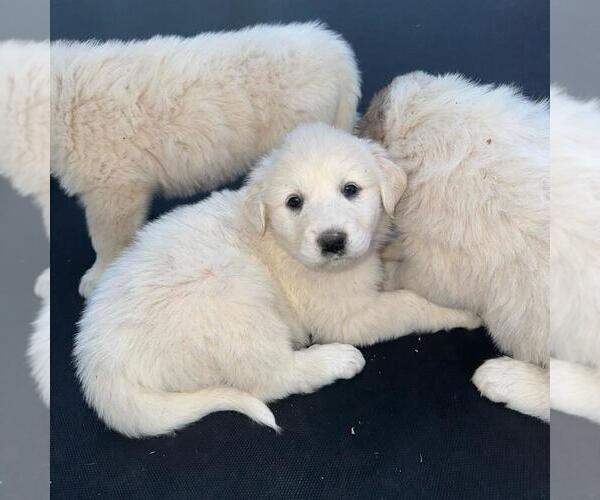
(575,256)
(180,115)
(25,161)
(473,224)
(39,342)
(25,120)
(212,306)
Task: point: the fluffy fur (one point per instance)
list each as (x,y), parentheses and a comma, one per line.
(180,115)
(39,343)
(25,161)
(213,305)
(575,256)
(473,224)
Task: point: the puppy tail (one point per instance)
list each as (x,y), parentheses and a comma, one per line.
(140,412)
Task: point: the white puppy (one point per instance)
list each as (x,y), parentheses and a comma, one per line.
(575,256)
(473,224)
(181,115)
(25,120)
(25,161)
(211,308)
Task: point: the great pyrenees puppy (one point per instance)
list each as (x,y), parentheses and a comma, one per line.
(575,256)
(213,305)
(181,115)
(25,120)
(25,161)
(473,224)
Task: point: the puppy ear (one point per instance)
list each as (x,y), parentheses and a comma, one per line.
(255,208)
(392,179)
(254,205)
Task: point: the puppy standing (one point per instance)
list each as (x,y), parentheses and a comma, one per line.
(575,256)
(183,115)
(25,161)
(203,312)
(473,225)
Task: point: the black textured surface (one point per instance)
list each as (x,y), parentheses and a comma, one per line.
(420,428)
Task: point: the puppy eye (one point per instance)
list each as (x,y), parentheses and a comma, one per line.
(350,190)
(294,202)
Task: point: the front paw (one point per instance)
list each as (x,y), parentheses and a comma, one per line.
(468,320)
(343,360)
(520,386)
(90,280)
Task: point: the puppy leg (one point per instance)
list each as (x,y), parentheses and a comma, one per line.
(391,280)
(575,389)
(113,217)
(390,315)
(521,386)
(392,265)
(310,369)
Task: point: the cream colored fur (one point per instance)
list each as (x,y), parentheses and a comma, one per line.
(25,120)
(181,115)
(473,224)
(25,161)
(575,256)
(214,304)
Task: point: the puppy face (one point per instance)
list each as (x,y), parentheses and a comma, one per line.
(323,195)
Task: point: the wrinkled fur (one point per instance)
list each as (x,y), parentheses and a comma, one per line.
(25,120)
(25,161)
(473,224)
(575,256)
(181,115)
(211,308)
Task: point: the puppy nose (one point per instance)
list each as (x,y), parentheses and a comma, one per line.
(332,242)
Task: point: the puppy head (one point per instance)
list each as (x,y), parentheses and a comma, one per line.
(325,195)
(378,121)
(423,119)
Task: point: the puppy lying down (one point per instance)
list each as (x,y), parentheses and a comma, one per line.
(211,308)
(474,220)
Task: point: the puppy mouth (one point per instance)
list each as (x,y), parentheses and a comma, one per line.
(338,260)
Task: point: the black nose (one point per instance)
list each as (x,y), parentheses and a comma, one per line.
(332,242)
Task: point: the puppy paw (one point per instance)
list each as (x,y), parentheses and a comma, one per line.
(341,360)
(458,318)
(468,320)
(521,386)
(90,280)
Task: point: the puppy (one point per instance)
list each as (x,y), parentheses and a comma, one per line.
(25,120)
(575,256)
(181,115)
(473,225)
(25,161)
(211,308)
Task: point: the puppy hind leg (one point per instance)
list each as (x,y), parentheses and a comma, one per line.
(521,386)
(310,369)
(575,389)
(113,217)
